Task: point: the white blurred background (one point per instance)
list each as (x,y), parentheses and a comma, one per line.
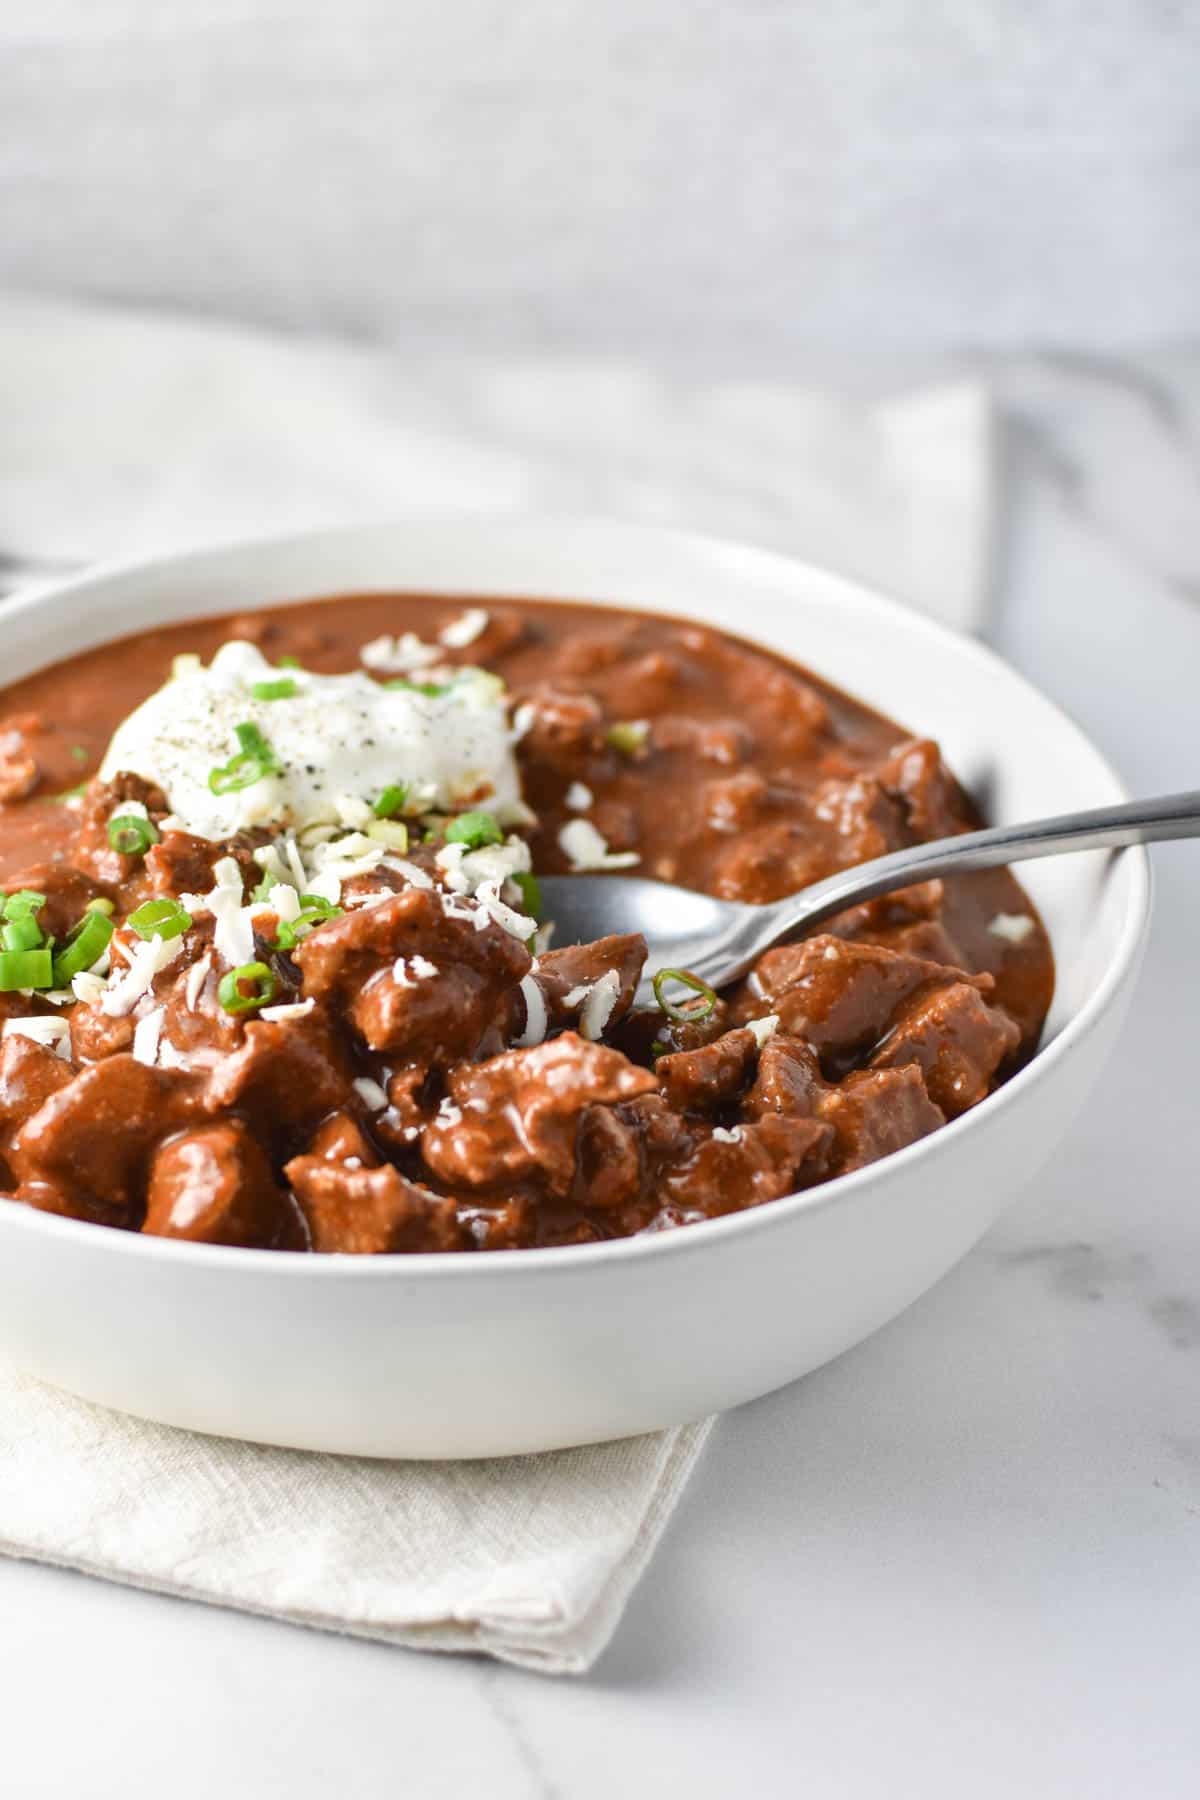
(750,179)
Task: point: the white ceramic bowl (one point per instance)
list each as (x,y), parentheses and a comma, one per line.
(450,1356)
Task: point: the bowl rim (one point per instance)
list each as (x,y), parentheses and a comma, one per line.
(614,1254)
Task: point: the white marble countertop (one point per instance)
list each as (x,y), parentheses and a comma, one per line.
(964,1559)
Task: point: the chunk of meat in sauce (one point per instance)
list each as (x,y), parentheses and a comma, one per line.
(709,1077)
(956,1040)
(101,804)
(519,1114)
(729,1170)
(366,963)
(877,1111)
(370,1212)
(90,1142)
(841,996)
(29,1075)
(20,773)
(285,1076)
(562,972)
(214,1185)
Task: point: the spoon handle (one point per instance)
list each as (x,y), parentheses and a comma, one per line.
(1106,828)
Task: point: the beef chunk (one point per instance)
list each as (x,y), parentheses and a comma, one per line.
(729,1170)
(956,1040)
(864,818)
(712,1076)
(67,892)
(933,802)
(92,1139)
(285,1076)
(182,864)
(214,1186)
(567,730)
(102,800)
(876,1111)
(19,770)
(364,961)
(788,1080)
(841,996)
(559,972)
(340,1138)
(94,1035)
(608,1165)
(507,1225)
(29,1075)
(367,1212)
(519,1114)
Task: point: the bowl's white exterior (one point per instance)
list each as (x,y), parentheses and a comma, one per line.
(518,1351)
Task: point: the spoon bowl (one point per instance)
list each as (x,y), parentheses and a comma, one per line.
(717,940)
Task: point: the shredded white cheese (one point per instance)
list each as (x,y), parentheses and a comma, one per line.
(1014,928)
(87,987)
(763,1028)
(370,1093)
(537,1018)
(146,1036)
(197,975)
(727,1134)
(598,1007)
(290,1009)
(586,849)
(398,656)
(50,1033)
(148,960)
(579,797)
(461,632)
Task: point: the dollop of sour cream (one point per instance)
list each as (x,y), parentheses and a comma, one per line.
(337,740)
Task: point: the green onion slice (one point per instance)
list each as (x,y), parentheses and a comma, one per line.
(289,662)
(25,969)
(282,689)
(691,1010)
(474,829)
(628,736)
(391,801)
(314,910)
(22,933)
(254,761)
(23,903)
(531,893)
(262,891)
(160,918)
(130,835)
(245,989)
(433,690)
(84,946)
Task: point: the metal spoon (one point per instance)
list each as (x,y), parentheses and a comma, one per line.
(717,940)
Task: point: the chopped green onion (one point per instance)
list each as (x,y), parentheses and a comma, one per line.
(289,662)
(660,1047)
(628,736)
(391,801)
(314,910)
(100,905)
(23,902)
(392,832)
(22,933)
(79,753)
(252,976)
(254,761)
(130,835)
(433,690)
(160,918)
(690,1012)
(70,794)
(85,946)
(25,969)
(474,829)
(531,893)
(263,890)
(283,689)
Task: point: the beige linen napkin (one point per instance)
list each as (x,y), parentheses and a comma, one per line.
(123,433)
